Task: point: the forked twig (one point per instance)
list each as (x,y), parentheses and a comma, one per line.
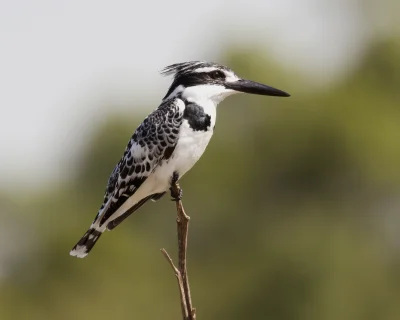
(182,222)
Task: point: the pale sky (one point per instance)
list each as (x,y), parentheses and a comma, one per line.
(60,60)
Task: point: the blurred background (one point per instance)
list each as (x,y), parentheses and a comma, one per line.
(294,206)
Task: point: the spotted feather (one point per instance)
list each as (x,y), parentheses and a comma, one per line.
(153,141)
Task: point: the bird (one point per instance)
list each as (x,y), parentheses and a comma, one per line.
(168,143)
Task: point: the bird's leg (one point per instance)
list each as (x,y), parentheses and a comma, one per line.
(174,178)
(176,191)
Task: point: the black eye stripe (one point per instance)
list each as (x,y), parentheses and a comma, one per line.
(216,74)
(196,78)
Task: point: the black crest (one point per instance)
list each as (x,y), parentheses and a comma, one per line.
(180,69)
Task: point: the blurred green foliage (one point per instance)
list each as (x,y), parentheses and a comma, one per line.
(291,209)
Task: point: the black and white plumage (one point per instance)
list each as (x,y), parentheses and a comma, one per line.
(168,142)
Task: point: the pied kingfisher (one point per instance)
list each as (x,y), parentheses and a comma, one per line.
(168,142)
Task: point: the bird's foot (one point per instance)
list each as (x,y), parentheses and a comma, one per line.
(176,191)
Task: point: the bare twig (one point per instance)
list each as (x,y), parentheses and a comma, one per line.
(182,222)
(180,284)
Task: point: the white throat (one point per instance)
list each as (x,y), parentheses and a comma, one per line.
(206,93)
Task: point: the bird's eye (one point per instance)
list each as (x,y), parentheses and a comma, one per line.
(217,74)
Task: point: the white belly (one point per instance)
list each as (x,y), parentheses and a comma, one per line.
(190,147)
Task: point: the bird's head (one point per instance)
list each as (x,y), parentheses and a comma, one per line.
(198,80)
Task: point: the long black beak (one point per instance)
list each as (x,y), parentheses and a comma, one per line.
(248,86)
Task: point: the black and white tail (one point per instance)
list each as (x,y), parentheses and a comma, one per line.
(87,242)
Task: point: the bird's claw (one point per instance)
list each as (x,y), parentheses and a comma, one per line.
(176,191)
(178,196)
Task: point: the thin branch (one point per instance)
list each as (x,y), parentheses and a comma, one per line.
(184,307)
(182,226)
(169,259)
(182,223)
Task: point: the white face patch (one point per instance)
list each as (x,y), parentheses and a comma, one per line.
(230,76)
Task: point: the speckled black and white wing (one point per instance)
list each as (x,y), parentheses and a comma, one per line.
(153,142)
